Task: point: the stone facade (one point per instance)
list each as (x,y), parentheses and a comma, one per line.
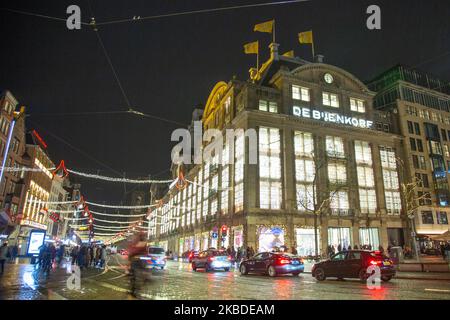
(186,221)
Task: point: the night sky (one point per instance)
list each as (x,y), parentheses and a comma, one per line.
(169,65)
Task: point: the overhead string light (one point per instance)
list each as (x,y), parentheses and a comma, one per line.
(62,172)
(118,215)
(121,207)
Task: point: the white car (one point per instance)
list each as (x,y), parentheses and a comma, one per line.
(156,258)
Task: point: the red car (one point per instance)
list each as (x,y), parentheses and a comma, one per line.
(192,255)
(354,264)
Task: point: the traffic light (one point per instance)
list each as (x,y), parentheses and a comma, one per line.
(224,231)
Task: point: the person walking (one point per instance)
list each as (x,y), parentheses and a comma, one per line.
(103,256)
(3,256)
(294,251)
(339,248)
(98,253)
(14,252)
(81,255)
(74,254)
(91,256)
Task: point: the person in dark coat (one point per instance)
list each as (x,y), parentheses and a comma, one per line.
(339,248)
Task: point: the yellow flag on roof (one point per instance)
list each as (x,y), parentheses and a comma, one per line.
(305,37)
(264,26)
(251,48)
(288,54)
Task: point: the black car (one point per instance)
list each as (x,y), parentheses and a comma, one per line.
(272,263)
(354,264)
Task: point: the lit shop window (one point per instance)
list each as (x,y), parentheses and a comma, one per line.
(357,105)
(367,200)
(339,201)
(300,93)
(182,208)
(239,150)
(365,176)
(305,197)
(304,170)
(388,159)
(390,179)
(363,152)
(43,168)
(270,106)
(393,202)
(337,172)
(224,190)
(206,189)
(199,195)
(335,147)
(303,143)
(330,99)
(269,168)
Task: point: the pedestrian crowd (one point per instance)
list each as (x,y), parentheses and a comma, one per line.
(87,256)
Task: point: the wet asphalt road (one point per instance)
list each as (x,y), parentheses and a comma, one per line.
(178,281)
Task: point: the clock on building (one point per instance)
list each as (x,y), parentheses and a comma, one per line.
(328,78)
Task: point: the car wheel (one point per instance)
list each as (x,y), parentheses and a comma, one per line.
(363,275)
(320,274)
(386,278)
(271,271)
(227,269)
(243,269)
(194,267)
(207,267)
(295,274)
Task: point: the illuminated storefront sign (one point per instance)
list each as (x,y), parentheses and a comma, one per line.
(331,117)
(33,224)
(270,238)
(36,241)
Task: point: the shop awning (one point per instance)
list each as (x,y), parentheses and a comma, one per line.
(441,237)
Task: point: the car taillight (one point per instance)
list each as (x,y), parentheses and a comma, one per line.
(374,262)
(211,258)
(284,261)
(190,255)
(229,258)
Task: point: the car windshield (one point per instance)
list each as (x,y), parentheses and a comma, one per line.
(156,251)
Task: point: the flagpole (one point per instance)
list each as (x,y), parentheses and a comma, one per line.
(257,58)
(273,33)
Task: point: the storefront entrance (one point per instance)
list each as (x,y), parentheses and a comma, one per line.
(238,237)
(305,240)
(339,238)
(396,237)
(369,237)
(270,238)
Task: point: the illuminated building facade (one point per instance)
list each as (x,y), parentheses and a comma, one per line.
(11,186)
(38,186)
(420,109)
(323,151)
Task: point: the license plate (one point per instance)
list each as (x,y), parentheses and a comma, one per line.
(386,263)
(294,262)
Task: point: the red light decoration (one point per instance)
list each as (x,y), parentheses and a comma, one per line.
(39,138)
(181,181)
(60,167)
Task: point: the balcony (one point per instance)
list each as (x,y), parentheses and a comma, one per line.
(341,212)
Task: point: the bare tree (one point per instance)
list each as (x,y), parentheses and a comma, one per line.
(411,199)
(310,201)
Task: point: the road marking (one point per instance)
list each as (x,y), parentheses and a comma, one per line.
(438,290)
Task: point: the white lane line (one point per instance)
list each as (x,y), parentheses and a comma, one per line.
(438,290)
